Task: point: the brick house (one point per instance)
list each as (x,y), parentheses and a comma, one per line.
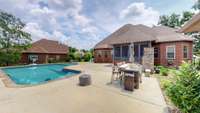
(170,47)
(43,51)
(103,52)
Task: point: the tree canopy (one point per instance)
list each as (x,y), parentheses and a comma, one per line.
(12,38)
(175,20)
(196,6)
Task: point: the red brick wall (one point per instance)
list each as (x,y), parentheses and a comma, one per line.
(101,57)
(162,60)
(42,58)
(60,57)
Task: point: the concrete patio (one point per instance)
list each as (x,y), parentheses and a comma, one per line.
(65,96)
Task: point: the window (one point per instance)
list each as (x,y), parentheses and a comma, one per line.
(99,54)
(33,58)
(170,52)
(185,52)
(106,54)
(156,52)
(125,50)
(117,51)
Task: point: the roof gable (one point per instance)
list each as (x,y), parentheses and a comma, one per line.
(126,34)
(140,33)
(47,46)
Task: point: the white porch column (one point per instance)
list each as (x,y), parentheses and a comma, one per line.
(131,52)
(139,51)
(120,51)
(150,45)
(113,53)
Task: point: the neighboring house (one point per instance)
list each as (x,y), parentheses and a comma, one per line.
(193,25)
(170,47)
(103,52)
(43,51)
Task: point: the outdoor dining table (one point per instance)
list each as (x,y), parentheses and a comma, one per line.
(132,77)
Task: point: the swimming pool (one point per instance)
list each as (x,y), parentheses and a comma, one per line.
(37,74)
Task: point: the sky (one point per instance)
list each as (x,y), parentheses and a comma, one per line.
(83,23)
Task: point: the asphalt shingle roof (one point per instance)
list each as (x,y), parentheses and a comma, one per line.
(47,46)
(139,33)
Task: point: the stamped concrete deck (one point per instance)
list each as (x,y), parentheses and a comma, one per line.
(65,96)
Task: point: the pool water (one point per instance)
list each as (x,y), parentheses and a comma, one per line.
(37,74)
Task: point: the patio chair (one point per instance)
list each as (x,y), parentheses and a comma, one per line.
(115,73)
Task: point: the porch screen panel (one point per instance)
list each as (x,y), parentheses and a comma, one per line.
(125,50)
(142,46)
(117,51)
(136,52)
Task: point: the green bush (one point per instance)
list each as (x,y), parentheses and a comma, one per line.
(87,56)
(165,83)
(70,57)
(77,56)
(184,92)
(10,57)
(197,64)
(163,71)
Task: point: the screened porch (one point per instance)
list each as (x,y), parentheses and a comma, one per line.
(130,52)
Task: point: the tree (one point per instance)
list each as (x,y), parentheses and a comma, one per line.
(196,6)
(72,50)
(13,40)
(186,16)
(163,20)
(171,21)
(196,43)
(174,20)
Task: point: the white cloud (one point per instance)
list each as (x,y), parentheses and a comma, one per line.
(36,32)
(139,13)
(53,19)
(41,11)
(74,24)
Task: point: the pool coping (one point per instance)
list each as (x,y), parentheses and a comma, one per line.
(9,83)
(30,65)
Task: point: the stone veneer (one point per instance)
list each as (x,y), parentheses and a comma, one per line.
(148,58)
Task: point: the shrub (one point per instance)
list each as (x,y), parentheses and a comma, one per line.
(77,57)
(184,92)
(165,83)
(70,57)
(163,71)
(197,65)
(87,56)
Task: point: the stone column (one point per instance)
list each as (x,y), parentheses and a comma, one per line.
(148,58)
